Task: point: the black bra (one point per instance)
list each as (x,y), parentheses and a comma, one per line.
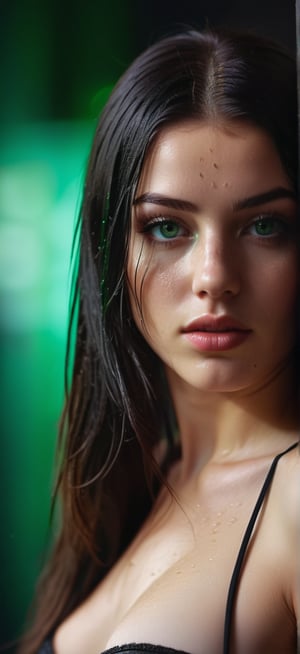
(142,648)
(145,648)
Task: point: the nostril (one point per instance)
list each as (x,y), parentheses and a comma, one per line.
(215,293)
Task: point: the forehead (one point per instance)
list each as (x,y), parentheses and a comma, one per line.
(203,153)
(207,134)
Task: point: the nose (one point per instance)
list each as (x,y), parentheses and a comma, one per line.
(215,267)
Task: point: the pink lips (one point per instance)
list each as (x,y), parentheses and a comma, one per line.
(215,333)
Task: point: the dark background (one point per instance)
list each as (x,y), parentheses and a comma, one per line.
(57,53)
(59,60)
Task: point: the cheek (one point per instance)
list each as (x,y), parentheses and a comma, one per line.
(279,291)
(156,285)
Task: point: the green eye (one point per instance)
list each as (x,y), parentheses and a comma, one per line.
(264,227)
(165,230)
(268,226)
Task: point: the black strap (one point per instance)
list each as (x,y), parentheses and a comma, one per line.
(242,551)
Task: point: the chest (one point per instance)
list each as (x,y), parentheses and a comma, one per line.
(171,586)
(175,582)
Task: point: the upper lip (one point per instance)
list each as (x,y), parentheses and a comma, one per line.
(211,323)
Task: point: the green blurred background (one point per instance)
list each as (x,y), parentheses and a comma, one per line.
(59,61)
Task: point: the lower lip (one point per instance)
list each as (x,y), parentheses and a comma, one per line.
(217,341)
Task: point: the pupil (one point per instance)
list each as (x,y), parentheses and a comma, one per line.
(169,229)
(264,227)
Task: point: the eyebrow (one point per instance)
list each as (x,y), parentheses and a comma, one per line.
(262,198)
(246,203)
(164,200)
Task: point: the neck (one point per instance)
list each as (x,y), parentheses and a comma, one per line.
(224,427)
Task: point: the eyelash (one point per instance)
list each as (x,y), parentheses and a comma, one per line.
(283,228)
(282,232)
(147,225)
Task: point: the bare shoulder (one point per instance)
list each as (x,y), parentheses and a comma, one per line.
(288,489)
(287,496)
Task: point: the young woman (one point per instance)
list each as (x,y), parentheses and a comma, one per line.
(180,468)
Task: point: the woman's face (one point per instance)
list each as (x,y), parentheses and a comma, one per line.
(212,267)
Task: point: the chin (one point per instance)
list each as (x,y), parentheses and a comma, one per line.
(213,377)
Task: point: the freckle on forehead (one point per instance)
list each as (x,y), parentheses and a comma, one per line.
(215,165)
(201,175)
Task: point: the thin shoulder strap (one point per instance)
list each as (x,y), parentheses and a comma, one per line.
(242,551)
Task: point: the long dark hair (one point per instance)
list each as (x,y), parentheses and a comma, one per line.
(117,408)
